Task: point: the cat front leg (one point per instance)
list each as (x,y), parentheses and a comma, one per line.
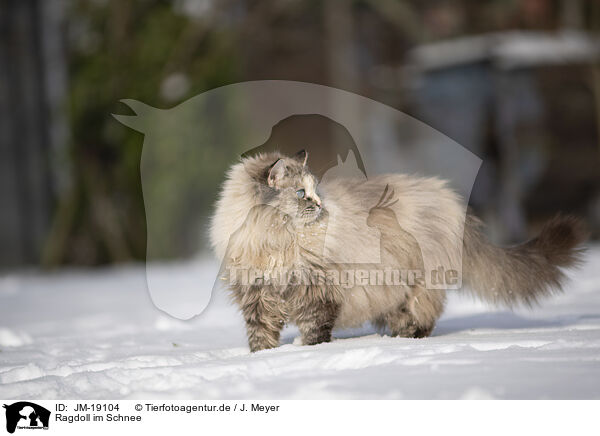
(264,316)
(316,320)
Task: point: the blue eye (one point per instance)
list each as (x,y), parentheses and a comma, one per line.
(300,193)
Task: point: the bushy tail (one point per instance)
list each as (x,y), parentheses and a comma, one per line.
(527,272)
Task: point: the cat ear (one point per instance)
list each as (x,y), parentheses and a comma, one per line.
(276,172)
(302,156)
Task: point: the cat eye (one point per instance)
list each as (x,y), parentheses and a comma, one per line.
(300,193)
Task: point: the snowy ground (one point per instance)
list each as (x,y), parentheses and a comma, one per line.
(96,335)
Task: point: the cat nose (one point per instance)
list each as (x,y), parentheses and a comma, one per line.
(316,200)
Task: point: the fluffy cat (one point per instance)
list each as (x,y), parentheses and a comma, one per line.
(272,218)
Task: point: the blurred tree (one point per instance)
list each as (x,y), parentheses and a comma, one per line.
(147,50)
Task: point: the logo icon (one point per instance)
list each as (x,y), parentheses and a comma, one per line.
(344,135)
(26,415)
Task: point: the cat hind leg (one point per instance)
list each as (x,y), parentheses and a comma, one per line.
(415,318)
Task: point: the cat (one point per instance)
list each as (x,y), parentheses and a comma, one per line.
(272,218)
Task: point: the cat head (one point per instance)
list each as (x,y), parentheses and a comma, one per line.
(287,184)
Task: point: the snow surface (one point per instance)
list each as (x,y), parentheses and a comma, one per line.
(96,335)
(509,50)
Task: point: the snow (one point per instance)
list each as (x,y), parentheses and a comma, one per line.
(508,50)
(96,335)
(10,338)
